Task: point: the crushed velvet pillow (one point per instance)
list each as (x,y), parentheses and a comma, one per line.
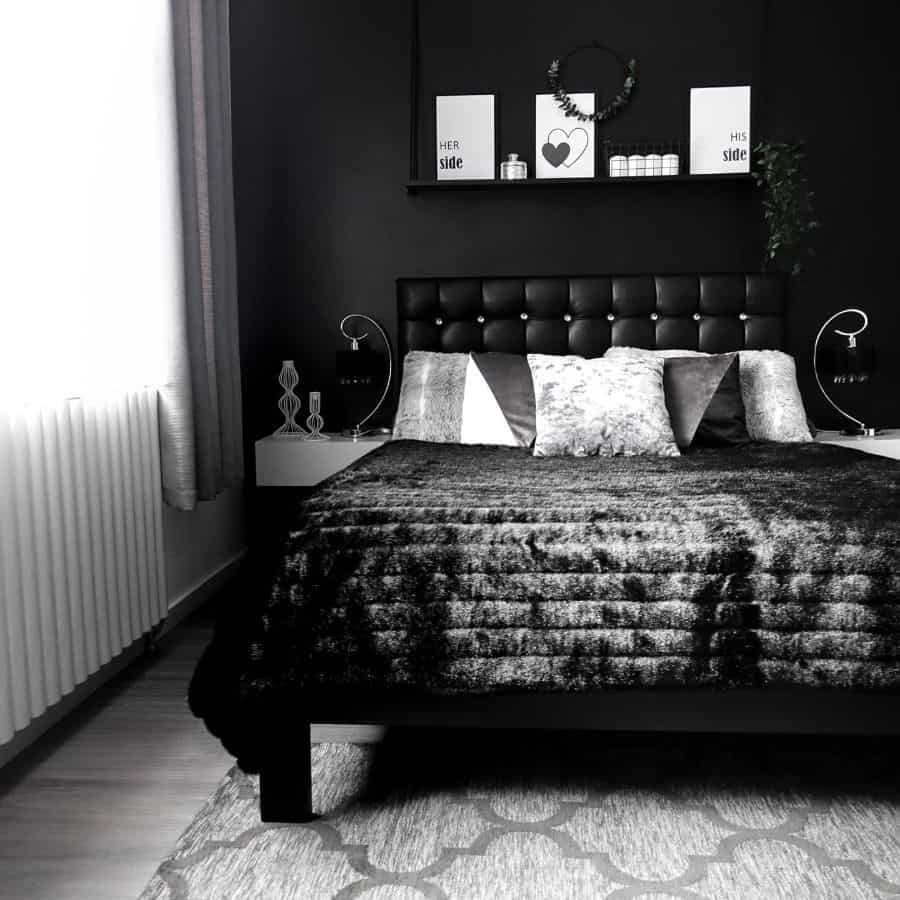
(466,398)
(768,378)
(605,407)
(775,410)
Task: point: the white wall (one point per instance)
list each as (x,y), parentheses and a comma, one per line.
(203,542)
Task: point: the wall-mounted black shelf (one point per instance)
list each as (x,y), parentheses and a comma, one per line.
(414,187)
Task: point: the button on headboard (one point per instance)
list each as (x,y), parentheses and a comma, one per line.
(588,314)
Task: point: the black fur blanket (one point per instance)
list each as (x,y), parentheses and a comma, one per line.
(454,569)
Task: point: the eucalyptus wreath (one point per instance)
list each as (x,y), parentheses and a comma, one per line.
(615,106)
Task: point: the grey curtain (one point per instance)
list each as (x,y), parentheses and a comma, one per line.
(200,405)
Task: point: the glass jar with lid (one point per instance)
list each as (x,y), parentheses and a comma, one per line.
(513,168)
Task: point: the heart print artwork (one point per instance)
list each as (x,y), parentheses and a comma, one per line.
(565,148)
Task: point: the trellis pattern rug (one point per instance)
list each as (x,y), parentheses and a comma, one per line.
(521,815)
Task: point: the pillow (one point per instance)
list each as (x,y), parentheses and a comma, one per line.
(773,405)
(775,410)
(703,396)
(466,398)
(615,352)
(605,407)
(724,421)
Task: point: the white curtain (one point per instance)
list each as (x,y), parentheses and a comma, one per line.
(90,285)
(89,199)
(116,221)
(116,288)
(82,559)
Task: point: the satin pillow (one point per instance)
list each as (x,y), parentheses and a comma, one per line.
(703,396)
(600,407)
(724,421)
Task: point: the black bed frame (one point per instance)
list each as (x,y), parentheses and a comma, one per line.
(582,315)
(286,778)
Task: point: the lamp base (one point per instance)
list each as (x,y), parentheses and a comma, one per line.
(861,431)
(356,432)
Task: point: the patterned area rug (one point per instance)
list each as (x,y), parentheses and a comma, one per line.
(522,815)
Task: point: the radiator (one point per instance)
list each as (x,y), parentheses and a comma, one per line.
(81,545)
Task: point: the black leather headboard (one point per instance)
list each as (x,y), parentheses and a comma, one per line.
(588,314)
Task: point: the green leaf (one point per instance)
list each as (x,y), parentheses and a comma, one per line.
(787,202)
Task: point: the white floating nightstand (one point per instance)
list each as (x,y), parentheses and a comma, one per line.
(284,462)
(885,443)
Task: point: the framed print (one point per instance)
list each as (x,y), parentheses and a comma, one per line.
(465,139)
(564,147)
(720,130)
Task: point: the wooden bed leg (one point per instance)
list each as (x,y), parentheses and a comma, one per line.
(285,781)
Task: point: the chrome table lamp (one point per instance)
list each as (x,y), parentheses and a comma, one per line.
(850,365)
(358,366)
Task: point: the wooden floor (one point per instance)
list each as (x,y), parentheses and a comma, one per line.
(90,809)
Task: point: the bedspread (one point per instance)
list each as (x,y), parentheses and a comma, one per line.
(460,569)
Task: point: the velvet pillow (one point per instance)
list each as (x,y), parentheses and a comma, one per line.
(768,378)
(703,396)
(466,398)
(775,410)
(724,421)
(600,407)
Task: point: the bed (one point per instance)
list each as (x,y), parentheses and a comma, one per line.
(747,588)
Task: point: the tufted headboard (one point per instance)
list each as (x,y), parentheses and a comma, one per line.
(586,315)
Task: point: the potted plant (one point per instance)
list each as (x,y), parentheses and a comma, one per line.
(787,203)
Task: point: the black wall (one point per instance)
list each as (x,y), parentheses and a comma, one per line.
(321,149)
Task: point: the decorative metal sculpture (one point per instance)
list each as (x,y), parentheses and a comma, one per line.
(289,404)
(314,420)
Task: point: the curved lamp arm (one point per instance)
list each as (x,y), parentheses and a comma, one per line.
(851,336)
(354,343)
